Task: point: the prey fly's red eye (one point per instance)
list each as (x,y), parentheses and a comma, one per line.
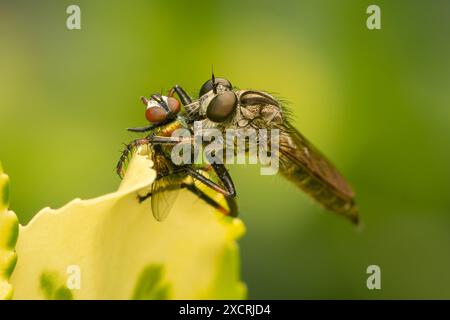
(158,108)
(174,105)
(155,114)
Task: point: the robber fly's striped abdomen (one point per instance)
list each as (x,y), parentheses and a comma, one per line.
(306,167)
(319,190)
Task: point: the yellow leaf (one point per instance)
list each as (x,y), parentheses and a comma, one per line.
(8,236)
(111,247)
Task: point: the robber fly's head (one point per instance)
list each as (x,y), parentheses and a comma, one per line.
(160,108)
(217,99)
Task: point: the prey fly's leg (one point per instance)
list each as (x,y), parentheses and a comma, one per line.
(184,97)
(126,152)
(145,197)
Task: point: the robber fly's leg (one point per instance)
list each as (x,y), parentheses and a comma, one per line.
(184,97)
(231,202)
(126,152)
(228,190)
(225,178)
(168,140)
(232,206)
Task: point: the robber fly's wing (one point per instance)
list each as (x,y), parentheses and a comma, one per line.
(299,161)
(294,147)
(304,165)
(297,149)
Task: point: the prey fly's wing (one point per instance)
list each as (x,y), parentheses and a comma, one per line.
(164,194)
(164,190)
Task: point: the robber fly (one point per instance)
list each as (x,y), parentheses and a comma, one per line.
(164,116)
(221,106)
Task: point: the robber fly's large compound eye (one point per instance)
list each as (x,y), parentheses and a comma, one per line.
(222,106)
(208,85)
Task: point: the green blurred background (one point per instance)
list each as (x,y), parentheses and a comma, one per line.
(376,102)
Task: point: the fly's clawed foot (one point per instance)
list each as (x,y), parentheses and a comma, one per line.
(143,198)
(126,153)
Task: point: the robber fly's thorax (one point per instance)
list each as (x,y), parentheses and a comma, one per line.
(258,109)
(254,109)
